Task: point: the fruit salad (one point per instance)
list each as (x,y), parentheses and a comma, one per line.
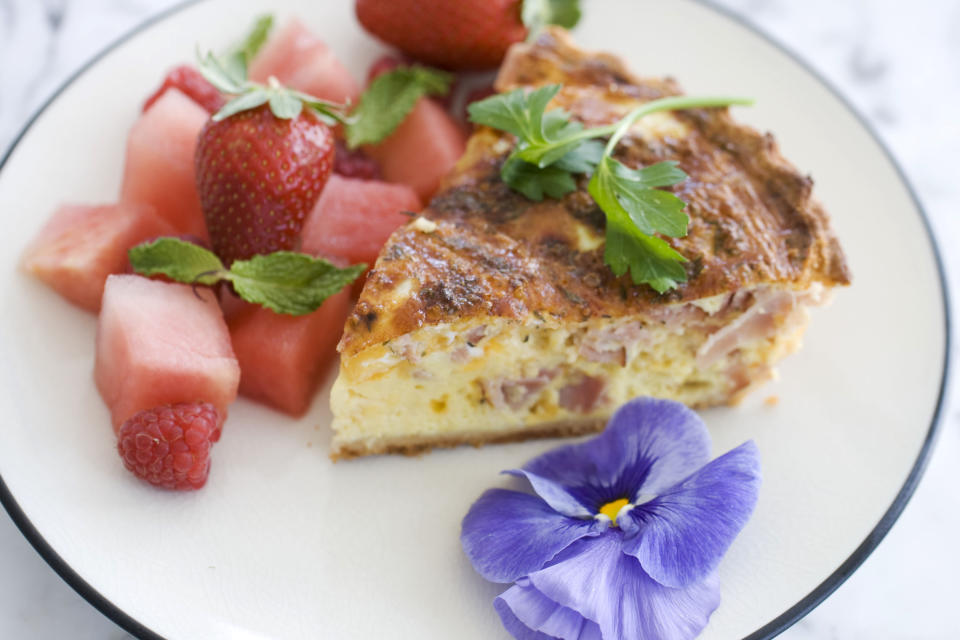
(259,185)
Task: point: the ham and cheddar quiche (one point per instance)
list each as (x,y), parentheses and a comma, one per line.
(493,318)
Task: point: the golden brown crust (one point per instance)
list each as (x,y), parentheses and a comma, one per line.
(416,445)
(753,220)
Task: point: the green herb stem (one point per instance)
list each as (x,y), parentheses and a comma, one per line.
(617,130)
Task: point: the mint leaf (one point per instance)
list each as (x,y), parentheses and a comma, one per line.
(238,57)
(283,281)
(178,260)
(389,99)
(288,282)
(255,39)
(538,13)
(534,182)
(630,193)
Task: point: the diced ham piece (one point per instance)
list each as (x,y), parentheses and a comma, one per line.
(759,321)
(516,394)
(611,344)
(582,396)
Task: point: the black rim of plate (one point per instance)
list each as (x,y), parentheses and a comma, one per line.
(769,630)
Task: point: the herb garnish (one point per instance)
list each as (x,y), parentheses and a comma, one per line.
(283,281)
(383,106)
(390,98)
(551,148)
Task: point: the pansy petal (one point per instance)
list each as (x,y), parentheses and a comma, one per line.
(507,534)
(554,494)
(648,445)
(681,535)
(596,579)
(529,615)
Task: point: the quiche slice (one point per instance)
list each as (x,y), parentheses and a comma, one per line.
(493,318)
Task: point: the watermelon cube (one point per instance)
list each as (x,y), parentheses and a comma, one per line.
(159,167)
(161,343)
(422,150)
(300,60)
(83,244)
(283,358)
(353,218)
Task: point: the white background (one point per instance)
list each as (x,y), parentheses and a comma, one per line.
(896,62)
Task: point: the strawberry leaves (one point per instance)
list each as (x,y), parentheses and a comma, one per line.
(284,281)
(551,148)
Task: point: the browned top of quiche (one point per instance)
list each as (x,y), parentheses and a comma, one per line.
(490,251)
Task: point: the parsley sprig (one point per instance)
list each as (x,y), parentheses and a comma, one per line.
(551,148)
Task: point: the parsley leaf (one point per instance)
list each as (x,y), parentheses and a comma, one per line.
(283,281)
(534,182)
(631,193)
(551,148)
(389,99)
(649,259)
(538,13)
(543,137)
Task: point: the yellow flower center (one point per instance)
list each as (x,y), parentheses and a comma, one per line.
(611,509)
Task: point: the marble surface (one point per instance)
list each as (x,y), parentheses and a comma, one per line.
(896,62)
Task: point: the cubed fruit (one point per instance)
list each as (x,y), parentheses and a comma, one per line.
(83,244)
(421,151)
(353,218)
(159,164)
(283,358)
(162,343)
(298,59)
(192,83)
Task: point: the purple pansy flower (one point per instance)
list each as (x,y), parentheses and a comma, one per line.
(623,535)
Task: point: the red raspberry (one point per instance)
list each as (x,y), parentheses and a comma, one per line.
(169,446)
(193,84)
(354,163)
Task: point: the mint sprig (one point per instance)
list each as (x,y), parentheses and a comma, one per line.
(551,148)
(389,100)
(284,281)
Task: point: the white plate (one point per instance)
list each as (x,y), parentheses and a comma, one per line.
(283,544)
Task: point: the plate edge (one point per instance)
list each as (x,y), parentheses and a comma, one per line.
(776,626)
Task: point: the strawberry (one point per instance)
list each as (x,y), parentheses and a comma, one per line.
(192,83)
(169,446)
(259,175)
(454,34)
